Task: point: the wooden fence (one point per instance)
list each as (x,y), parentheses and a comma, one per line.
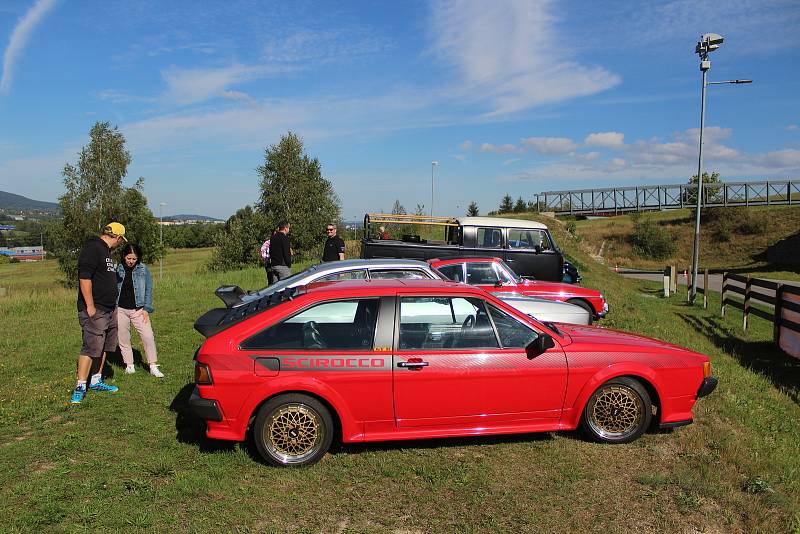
(783,298)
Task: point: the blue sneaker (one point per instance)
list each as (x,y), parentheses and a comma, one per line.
(102,386)
(77,395)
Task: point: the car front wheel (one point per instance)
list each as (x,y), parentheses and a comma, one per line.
(619,411)
(293,430)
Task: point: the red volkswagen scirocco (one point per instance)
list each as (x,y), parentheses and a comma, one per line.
(386,360)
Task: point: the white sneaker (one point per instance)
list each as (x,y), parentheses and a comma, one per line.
(130,369)
(154,370)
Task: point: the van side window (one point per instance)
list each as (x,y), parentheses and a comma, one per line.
(528,239)
(490,238)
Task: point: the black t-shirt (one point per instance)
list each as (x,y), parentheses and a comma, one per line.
(279,250)
(333,246)
(95,264)
(127,298)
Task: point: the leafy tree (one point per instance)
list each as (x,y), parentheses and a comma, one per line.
(398,229)
(472,209)
(238,245)
(710,190)
(652,241)
(520,205)
(506,205)
(95,195)
(293,189)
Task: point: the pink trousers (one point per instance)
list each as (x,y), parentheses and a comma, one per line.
(141,322)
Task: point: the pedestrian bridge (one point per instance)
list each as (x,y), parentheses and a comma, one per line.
(616,200)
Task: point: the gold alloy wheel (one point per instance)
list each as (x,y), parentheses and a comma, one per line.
(617,411)
(293,432)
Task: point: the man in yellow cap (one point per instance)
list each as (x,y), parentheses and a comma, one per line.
(97,302)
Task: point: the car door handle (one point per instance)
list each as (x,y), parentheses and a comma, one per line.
(413,365)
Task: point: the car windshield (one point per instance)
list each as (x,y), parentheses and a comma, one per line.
(508,271)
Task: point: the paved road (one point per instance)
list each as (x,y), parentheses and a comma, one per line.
(714,280)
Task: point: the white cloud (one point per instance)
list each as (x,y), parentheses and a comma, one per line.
(781,159)
(510,54)
(605,139)
(793,127)
(548,146)
(466,145)
(589,156)
(501,149)
(189,86)
(19,38)
(510,161)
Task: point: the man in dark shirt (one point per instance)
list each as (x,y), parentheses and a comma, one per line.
(334,245)
(280,252)
(97,302)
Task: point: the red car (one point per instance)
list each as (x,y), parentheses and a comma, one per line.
(495,276)
(386,360)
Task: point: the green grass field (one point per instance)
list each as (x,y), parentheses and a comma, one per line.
(133,461)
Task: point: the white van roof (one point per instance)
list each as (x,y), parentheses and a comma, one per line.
(501,222)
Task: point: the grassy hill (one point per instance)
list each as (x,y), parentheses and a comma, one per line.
(734,238)
(133,461)
(13,203)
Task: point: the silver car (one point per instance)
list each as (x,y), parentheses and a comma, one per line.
(379,269)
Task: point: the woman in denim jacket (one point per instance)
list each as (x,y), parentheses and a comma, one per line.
(134,306)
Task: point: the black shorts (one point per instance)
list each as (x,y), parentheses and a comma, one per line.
(99,332)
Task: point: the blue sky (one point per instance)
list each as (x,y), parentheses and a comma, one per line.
(511,97)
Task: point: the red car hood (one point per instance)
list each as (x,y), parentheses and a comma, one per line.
(555,288)
(596,336)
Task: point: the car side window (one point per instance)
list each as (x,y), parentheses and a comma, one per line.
(349,275)
(445,323)
(453,272)
(527,239)
(490,237)
(481,274)
(335,325)
(405,274)
(512,333)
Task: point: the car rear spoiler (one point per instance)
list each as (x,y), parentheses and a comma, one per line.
(218,319)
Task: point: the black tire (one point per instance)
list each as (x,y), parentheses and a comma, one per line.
(585,305)
(293,430)
(619,411)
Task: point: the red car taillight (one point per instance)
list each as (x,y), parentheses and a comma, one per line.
(202,374)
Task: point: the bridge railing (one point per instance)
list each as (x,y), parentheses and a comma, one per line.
(616,200)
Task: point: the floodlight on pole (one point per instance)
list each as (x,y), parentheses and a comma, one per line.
(707,44)
(433,168)
(161,239)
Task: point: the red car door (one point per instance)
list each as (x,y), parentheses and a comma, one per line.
(458,362)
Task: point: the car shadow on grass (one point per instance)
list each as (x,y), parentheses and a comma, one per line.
(762,357)
(436,443)
(192,430)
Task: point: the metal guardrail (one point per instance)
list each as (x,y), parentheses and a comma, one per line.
(616,200)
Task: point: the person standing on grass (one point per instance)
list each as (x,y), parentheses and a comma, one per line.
(265,258)
(280,252)
(97,302)
(134,306)
(334,245)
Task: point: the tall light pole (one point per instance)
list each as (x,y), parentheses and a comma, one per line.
(161,239)
(433,168)
(707,44)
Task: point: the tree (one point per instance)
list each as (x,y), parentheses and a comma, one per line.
(472,209)
(398,229)
(690,196)
(293,190)
(506,205)
(238,245)
(520,205)
(95,196)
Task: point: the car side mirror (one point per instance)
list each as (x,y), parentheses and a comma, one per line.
(537,249)
(539,345)
(499,283)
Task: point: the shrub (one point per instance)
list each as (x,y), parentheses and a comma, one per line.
(572,228)
(753,225)
(723,230)
(651,240)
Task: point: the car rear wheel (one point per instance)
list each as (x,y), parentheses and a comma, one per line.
(585,305)
(619,411)
(293,430)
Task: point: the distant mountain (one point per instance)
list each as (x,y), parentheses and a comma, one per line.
(189,217)
(10,202)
